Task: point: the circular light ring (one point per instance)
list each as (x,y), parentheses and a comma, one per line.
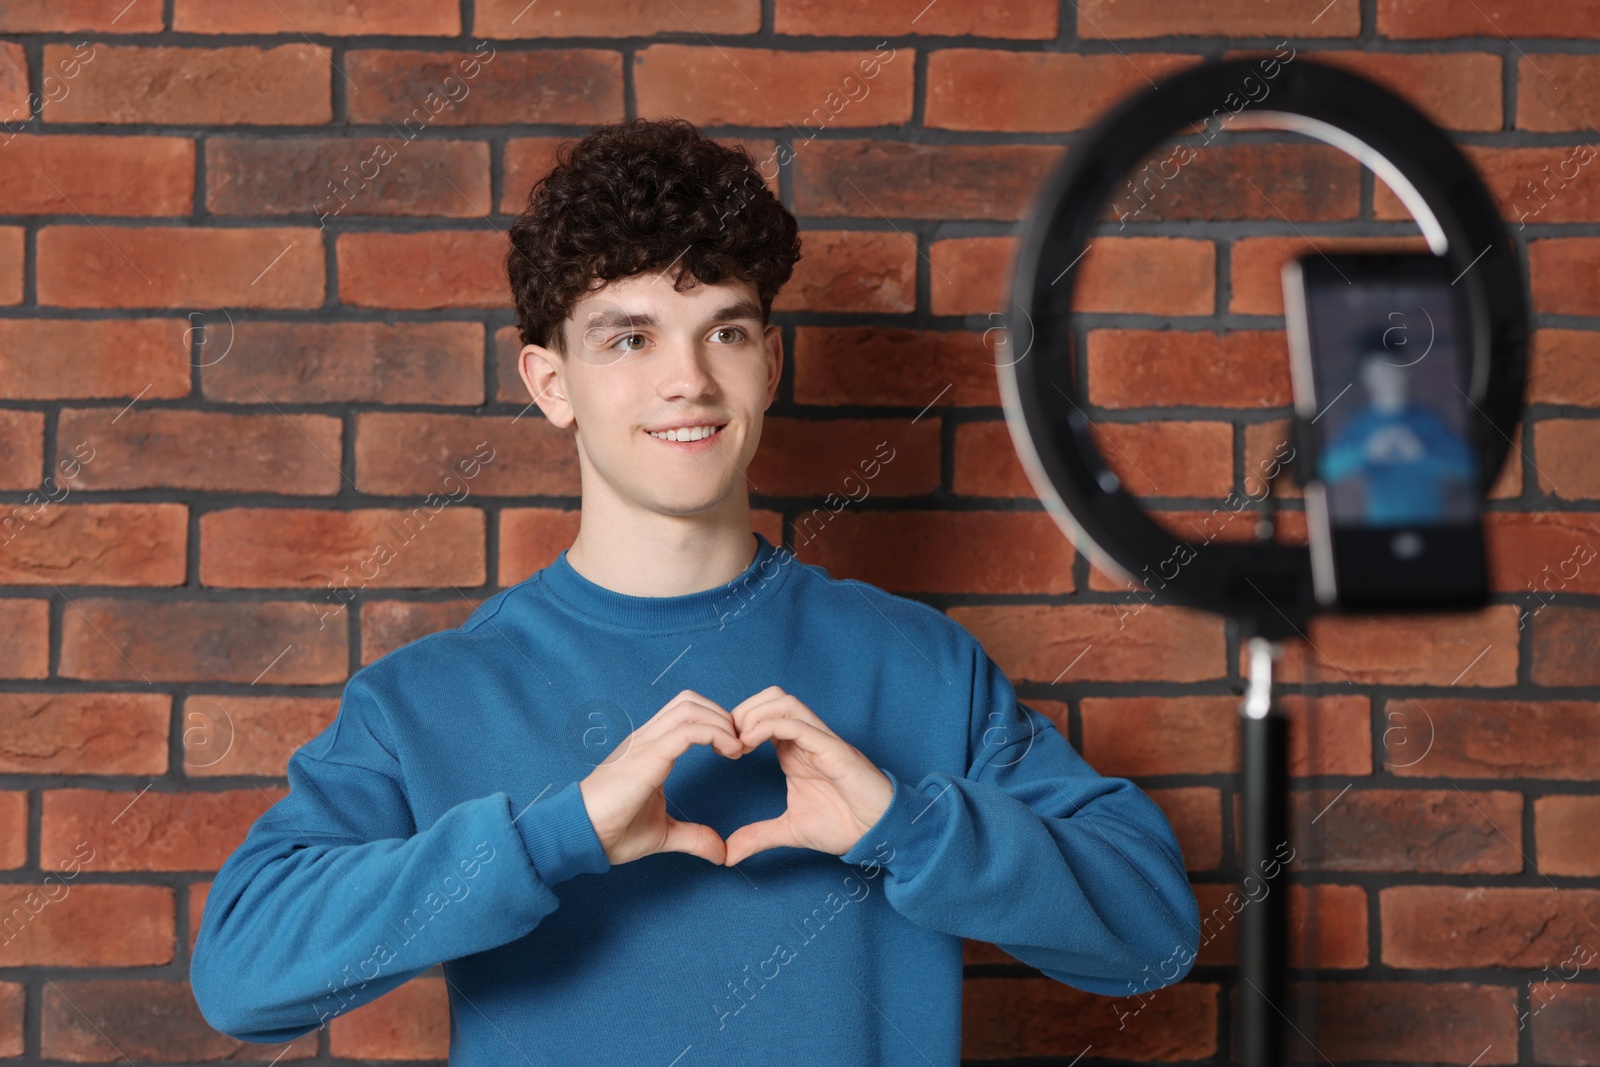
(1265,584)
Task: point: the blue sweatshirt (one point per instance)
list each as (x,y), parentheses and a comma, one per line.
(438,820)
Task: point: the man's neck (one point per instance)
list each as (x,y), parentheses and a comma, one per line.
(663,556)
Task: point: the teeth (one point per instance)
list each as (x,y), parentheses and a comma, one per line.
(693,434)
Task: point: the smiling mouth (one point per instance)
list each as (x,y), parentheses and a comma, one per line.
(687,436)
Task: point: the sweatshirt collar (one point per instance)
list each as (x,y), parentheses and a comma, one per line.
(713,608)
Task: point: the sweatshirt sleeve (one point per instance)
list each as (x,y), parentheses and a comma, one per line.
(336,897)
(1071,872)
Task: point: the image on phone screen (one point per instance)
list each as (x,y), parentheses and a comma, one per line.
(1395,448)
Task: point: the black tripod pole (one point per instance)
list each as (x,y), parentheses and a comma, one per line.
(1264,942)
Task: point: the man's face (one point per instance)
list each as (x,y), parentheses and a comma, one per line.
(643,357)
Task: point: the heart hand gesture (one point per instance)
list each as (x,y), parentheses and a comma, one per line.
(835,792)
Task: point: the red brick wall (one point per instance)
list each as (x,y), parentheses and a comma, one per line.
(222,384)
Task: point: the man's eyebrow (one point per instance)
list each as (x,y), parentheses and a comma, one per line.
(605,320)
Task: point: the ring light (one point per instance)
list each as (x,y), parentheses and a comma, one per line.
(1264,584)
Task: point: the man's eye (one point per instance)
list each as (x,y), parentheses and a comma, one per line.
(731,329)
(630,337)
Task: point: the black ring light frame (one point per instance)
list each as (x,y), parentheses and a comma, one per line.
(1266,585)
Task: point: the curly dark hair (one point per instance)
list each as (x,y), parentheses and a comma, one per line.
(641,195)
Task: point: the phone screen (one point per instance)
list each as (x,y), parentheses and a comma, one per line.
(1392,384)
(1381,351)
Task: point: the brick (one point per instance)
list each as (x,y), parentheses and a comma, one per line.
(1149,275)
(61,359)
(1540,554)
(106,639)
(442,269)
(1039,1018)
(629,18)
(94,544)
(1564,833)
(894,365)
(1420,649)
(1477,739)
(286,85)
(1440,1022)
(919,552)
(1538,18)
(84,733)
(805,91)
(1035,92)
(899,179)
(1136,736)
(206,267)
(333,178)
(1557,91)
(852,270)
(1256,263)
(24,637)
(13,997)
(1568,1030)
(21,458)
(13,831)
(54,923)
(1093,642)
(153,830)
(389,624)
(171,448)
(1564,640)
(1194,812)
(1340,929)
(141,1019)
(11,256)
(483,87)
(340,553)
(526,160)
(1455,927)
(986,463)
(849,460)
(1237,18)
(531,539)
(1168,458)
(1551,183)
(406,454)
(1266,444)
(225,734)
(1457,90)
(1558,368)
(1329,734)
(429,18)
(64,16)
(410,1022)
(1564,458)
(17,104)
(1285,183)
(1444,831)
(1003,18)
(1564,273)
(337,362)
(1161,368)
(73,173)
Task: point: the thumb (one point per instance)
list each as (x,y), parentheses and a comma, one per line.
(758,837)
(697,839)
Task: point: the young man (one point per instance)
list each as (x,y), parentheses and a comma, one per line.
(679,798)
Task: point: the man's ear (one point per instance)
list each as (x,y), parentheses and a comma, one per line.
(774,339)
(541,370)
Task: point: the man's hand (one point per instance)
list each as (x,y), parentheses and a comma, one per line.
(836,793)
(623,795)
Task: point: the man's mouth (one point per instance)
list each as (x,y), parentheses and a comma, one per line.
(688,434)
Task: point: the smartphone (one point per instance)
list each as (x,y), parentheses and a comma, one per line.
(1383,360)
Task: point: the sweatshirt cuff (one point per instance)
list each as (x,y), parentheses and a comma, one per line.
(560,837)
(905,835)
